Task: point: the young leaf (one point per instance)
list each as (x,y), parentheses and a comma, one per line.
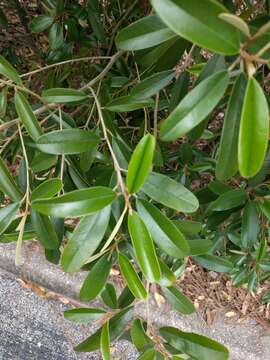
(40,23)
(254,130)
(250,225)
(178,300)
(144,248)
(227,163)
(47,189)
(128,103)
(8,184)
(163,231)
(194,345)
(76,203)
(7,215)
(63,95)
(140,163)
(105,342)
(117,326)
(195,106)
(134,283)
(45,230)
(84,315)
(198,22)
(9,71)
(170,193)
(67,141)
(152,85)
(96,279)
(214,263)
(85,239)
(144,33)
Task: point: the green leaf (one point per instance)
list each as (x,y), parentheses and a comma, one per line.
(76,203)
(152,85)
(140,163)
(214,263)
(47,189)
(254,130)
(144,248)
(227,163)
(56,36)
(138,335)
(105,342)
(229,200)
(10,237)
(195,106)
(27,116)
(3,101)
(84,315)
(265,207)
(178,300)
(250,225)
(109,296)
(163,231)
(3,20)
(150,354)
(199,246)
(142,34)
(9,71)
(197,346)
(67,141)
(117,326)
(128,103)
(40,23)
(42,162)
(237,22)
(198,22)
(125,298)
(94,17)
(188,227)
(45,230)
(170,193)
(63,95)
(96,279)
(85,239)
(168,277)
(8,184)
(7,215)
(179,90)
(130,275)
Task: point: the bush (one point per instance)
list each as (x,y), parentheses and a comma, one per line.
(146,144)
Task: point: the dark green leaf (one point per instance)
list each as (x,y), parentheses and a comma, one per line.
(109,296)
(76,203)
(178,300)
(96,279)
(144,248)
(45,230)
(84,315)
(250,225)
(56,36)
(198,22)
(9,71)
(170,193)
(40,23)
(85,240)
(7,215)
(140,163)
(8,184)
(229,200)
(128,103)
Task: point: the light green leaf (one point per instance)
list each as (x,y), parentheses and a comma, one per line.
(130,275)
(85,239)
(7,215)
(178,300)
(254,130)
(140,163)
(227,163)
(198,22)
(170,193)
(142,34)
(47,189)
(152,85)
(67,141)
(144,248)
(40,23)
(9,71)
(237,22)
(197,346)
(84,315)
(8,184)
(63,95)
(105,342)
(195,106)
(163,231)
(128,103)
(76,203)
(96,279)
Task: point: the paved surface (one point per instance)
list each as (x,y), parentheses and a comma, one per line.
(33,328)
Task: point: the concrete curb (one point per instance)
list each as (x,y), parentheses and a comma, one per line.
(247,341)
